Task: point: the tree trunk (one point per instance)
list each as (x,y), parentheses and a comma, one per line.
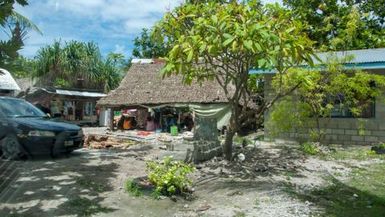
(228,147)
(231,130)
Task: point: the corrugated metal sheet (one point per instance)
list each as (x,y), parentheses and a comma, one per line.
(359,56)
(357,59)
(142,61)
(76,93)
(7,82)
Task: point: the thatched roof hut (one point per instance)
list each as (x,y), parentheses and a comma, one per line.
(143,85)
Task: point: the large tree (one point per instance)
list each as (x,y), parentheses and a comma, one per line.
(342,25)
(223,41)
(146,47)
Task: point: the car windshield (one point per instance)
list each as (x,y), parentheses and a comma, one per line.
(19,108)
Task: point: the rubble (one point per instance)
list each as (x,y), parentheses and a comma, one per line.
(104,141)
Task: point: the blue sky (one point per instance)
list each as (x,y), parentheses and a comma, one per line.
(112,24)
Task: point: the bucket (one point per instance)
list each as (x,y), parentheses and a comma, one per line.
(174,130)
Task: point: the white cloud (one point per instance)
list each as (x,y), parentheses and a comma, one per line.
(115,9)
(119,49)
(113,24)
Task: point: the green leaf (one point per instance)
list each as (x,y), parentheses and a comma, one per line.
(262,62)
(228,41)
(227,35)
(190,55)
(248,44)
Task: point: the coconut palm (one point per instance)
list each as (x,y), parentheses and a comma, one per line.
(16,27)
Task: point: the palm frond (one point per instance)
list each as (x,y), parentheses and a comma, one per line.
(24,22)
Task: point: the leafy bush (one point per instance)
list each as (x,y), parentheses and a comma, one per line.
(133,188)
(310,148)
(242,140)
(381,146)
(169,177)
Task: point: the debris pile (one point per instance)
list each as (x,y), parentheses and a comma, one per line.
(105,141)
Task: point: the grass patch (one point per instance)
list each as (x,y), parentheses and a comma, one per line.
(90,184)
(354,154)
(362,195)
(86,207)
(132,188)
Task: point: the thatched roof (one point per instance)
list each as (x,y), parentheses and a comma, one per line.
(143,85)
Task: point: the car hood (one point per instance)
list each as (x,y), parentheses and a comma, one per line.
(46,124)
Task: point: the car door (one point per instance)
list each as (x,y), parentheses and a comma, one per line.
(4,126)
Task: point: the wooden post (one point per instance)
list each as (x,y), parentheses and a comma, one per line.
(111,119)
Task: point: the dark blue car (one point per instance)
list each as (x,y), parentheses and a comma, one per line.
(25,130)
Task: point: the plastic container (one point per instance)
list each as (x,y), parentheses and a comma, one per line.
(174,130)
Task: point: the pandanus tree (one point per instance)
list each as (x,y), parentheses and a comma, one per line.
(76,64)
(223,40)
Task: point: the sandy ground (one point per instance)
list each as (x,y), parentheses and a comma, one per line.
(90,183)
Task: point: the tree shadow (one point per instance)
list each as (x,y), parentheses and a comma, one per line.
(342,200)
(74,185)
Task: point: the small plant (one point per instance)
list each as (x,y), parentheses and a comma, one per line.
(371,153)
(169,177)
(379,149)
(310,148)
(133,188)
(381,146)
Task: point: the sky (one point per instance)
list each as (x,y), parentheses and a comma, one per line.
(112,24)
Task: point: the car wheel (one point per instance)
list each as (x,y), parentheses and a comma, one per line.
(11,148)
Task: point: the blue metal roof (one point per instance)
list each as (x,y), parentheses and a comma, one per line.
(361,59)
(359,56)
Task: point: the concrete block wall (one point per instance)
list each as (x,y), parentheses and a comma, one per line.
(347,131)
(206,150)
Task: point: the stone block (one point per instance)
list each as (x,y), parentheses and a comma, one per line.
(351,132)
(381,139)
(344,138)
(370,125)
(381,126)
(344,124)
(331,137)
(338,131)
(205,129)
(378,133)
(371,139)
(357,138)
(206,150)
(332,124)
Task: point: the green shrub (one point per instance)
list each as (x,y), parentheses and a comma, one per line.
(310,148)
(242,140)
(381,146)
(169,177)
(133,188)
